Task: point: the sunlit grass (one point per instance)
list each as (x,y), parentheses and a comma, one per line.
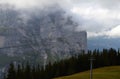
(112,72)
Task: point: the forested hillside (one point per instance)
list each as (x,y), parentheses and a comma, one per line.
(77,63)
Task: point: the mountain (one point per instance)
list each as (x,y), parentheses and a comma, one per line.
(40,36)
(103,42)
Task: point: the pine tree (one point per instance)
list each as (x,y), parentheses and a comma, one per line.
(19,72)
(27,71)
(11,72)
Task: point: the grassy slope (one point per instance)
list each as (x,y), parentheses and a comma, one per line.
(112,72)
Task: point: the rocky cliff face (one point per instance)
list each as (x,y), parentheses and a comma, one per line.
(42,36)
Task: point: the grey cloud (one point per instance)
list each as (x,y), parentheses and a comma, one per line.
(109,4)
(91,25)
(35,3)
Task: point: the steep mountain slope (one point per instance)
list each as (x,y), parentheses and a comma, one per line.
(41,36)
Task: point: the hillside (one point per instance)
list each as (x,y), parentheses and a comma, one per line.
(112,72)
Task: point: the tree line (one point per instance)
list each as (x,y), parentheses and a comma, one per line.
(77,63)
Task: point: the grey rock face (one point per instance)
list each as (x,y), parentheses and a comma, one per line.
(43,37)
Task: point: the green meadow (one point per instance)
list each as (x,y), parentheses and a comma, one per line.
(111,72)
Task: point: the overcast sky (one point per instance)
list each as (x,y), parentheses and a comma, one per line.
(97,17)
